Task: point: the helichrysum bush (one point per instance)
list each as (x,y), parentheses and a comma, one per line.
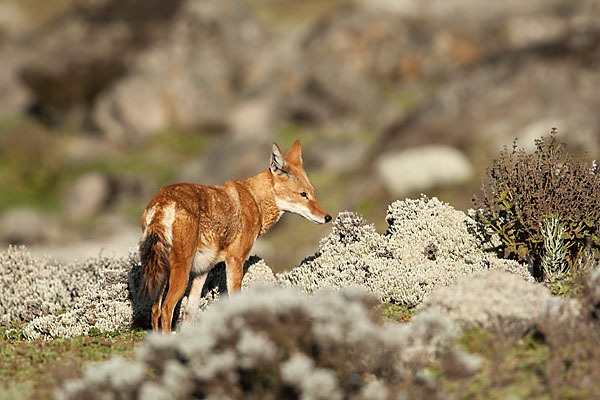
(524,189)
(428,244)
(495,301)
(67,300)
(278,343)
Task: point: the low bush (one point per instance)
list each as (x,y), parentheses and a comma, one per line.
(494,301)
(95,295)
(32,287)
(428,244)
(523,190)
(279,343)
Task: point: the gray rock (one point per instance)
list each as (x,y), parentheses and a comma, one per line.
(14,96)
(13,22)
(212,56)
(422,168)
(227,159)
(27,226)
(252,120)
(132,110)
(91,47)
(87,196)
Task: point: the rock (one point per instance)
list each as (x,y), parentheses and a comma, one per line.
(503,70)
(227,159)
(84,149)
(210,58)
(481,105)
(87,196)
(132,110)
(422,168)
(13,22)
(252,120)
(91,47)
(14,96)
(27,226)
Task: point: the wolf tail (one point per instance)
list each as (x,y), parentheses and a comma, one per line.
(154,255)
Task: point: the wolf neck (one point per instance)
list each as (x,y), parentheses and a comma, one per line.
(261,187)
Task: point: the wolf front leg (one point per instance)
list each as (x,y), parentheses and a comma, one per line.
(234,269)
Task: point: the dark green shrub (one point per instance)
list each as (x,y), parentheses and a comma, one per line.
(522,190)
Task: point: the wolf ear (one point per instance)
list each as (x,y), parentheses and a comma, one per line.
(277,165)
(294,154)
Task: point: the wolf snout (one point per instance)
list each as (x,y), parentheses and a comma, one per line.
(327,218)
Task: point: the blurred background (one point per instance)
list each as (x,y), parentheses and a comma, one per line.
(102,102)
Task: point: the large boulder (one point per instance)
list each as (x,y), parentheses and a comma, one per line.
(212,56)
(91,47)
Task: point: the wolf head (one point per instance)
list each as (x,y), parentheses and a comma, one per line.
(293,191)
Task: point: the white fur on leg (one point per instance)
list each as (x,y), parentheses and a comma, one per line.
(229,276)
(194,298)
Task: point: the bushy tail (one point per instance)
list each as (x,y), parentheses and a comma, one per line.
(154,255)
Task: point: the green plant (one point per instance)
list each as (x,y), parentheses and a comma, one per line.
(34,369)
(554,257)
(31,160)
(524,189)
(394,313)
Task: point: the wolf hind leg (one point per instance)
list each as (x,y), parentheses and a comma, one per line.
(194,298)
(156,307)
(178,281)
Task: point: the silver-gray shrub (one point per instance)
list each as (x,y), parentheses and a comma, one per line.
(496,301)
(428,244)
(98,294)
(32,287)
(100,300)
(273,343)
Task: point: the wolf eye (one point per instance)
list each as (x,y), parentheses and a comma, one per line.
(303,194)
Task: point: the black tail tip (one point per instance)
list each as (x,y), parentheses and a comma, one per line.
(327,218)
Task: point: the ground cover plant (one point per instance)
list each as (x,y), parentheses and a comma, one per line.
(278,343)
(428,244)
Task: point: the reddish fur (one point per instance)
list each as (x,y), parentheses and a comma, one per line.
(222,222)
(154,255)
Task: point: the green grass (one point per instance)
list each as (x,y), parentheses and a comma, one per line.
(395,313)
(511,368)
(34,369)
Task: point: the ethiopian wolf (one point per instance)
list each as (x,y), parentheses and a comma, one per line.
(188,228)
